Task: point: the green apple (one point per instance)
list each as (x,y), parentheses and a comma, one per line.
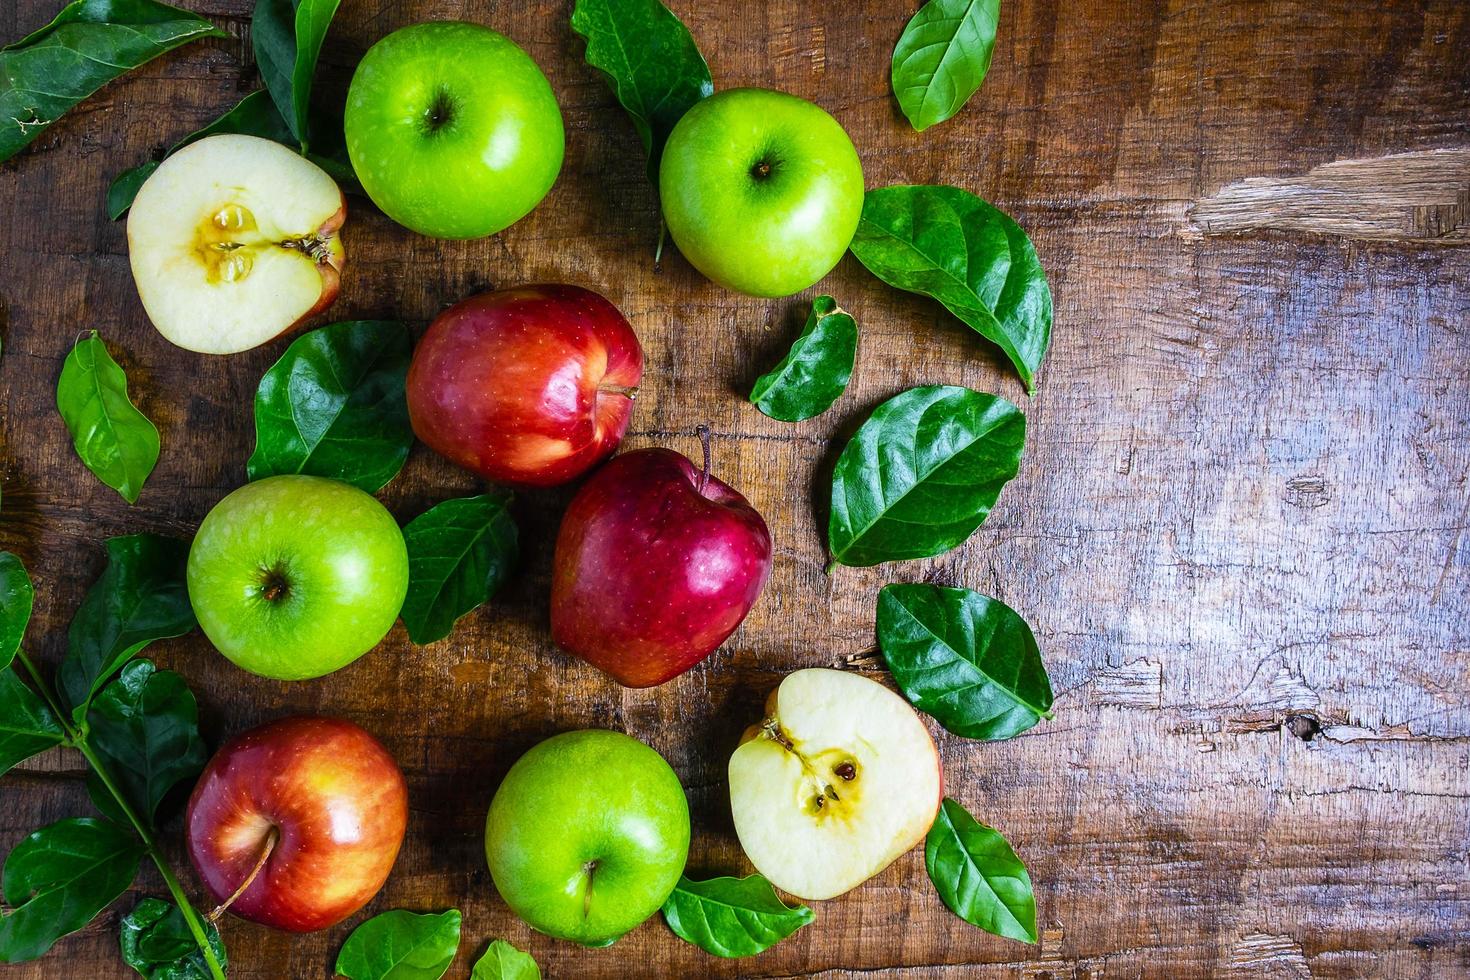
(587,835)
(296,576)
(452,129)
(762,191)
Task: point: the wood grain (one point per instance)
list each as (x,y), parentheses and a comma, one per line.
(1239,530)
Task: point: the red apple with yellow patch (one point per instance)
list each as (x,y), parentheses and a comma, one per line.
(529,386)
(297,823)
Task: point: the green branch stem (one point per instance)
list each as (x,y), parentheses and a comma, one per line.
(77,739)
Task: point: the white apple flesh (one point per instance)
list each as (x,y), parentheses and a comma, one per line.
(839,780)
(233,241)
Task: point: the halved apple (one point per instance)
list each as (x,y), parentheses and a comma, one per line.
(233,241)
(838,780)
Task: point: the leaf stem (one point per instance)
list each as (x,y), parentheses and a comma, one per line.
(78,741)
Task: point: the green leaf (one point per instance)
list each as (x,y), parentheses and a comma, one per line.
(502,961)
(922,473)
(287,36)
(313,17)
(254,115)
(113,438)
(27,726)
(942,57)
(815,372)
(732,917)
(978,876)
(460,552)
(334,406)
(401,945)
(90,43)
(947,243)
(59,878)
(145,724)
(16,597)
(156,942)
(650,61)
(140,597)
(965,658)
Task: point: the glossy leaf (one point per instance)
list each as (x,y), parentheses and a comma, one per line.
(27,725)
(921,474)
(502,961)
(400,945)
(16,597)
(156,942)
(459,554)
(140,597)
(732,917)
(334,405)
(87,45)
(815,372)
(59,878)
(650,60)
(965,658)
(978,876)
(113,438)
(287,36)
(254,115)
(942,57)
(947,243)
(145,725)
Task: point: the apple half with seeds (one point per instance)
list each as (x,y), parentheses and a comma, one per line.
(234,240)
(839,780)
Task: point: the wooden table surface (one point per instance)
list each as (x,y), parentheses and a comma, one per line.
(1239,529)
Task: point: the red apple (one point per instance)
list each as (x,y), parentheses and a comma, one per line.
(656,564)
(530,386)
(312,809)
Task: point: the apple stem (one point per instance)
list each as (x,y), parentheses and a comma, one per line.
(702,430)
(629,392)
(265,853)
(658,253)
(78,740)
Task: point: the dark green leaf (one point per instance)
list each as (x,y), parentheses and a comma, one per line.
(113,438)
(732,917)
(651,62)
(334,406)
(815,372)
(27,726)
(978,876)
(273,38)
(16,596)
(59,878)
(401,945)
(254,115)
(965,658)
(140,597)
(90,43)
(942,58)
(459,554)
(146,724)
(313,17)
(287,36)
(502,961)
(947,243)
(922,473)
(156,942)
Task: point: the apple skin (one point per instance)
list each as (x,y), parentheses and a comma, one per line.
(761,190)
(296,576)
(583,799)
(529,386)
(452,129)
(339,805)
(651,574)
